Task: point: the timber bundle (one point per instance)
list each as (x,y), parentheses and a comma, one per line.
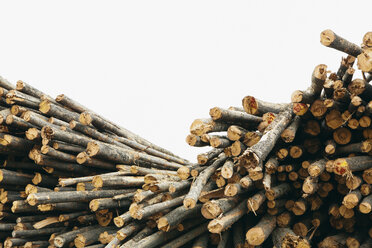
(71,178)
(296,174)
(289,175)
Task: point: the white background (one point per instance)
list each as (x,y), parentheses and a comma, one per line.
(155,66)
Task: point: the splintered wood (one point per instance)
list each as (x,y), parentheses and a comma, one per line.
(283,175)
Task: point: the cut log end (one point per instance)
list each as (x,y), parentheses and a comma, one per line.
(215,227)
(163,224)
(210,210)
(119,221)
(250,105)
(85,118)
(327,37)
(255,236)
(189,203)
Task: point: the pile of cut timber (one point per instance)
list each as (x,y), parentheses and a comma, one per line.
(290,175)
(67,173)
(296,174)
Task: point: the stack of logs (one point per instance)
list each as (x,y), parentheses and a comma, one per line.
(71,178)
(290,175)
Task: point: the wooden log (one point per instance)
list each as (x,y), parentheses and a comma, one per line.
(107,203)
(17,97)
(338,240)
(176,216)
(145,232)
(90,237)
(128,230)
(331,39)
(45,160)
(120,181)
(52,133)
(277,191)
(121,155)
(36,232)
(258,107)
(203,158)
(14,178)
(348,165)
(255,155)
(72,181)
(197,186)
(317,80)
(364,60)
(222,223)
(88,118)
(289,133)
(65,147)
(30,90)
(260,232)
(214,208)
(235,133)
(71,196)
(4,83)
(254,202)
(219,114)
(155,208)
(194,140)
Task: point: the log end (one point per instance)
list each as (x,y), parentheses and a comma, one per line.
(215,113)
(85,118)
(365,60)
(215,227)
(255,236)
(183,172)
(60,98)
(248,159)
(327,37)
(32,199)
(163,224)
(365,208)
(92,149)
(94,205)
(82,157)
(297,96)
(210,210)
(44,106)
(118,221)
(79,241)
(97,182)
(300,108)
(32,133)
(250,105)
(340,166)
(189,203)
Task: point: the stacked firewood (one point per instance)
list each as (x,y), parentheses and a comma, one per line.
(69,177)
(291,175)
